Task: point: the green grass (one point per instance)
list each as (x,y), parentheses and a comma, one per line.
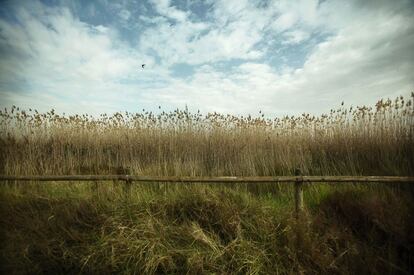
(71,228)
(203,229)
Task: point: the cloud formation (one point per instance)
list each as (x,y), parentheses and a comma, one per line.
(281,57)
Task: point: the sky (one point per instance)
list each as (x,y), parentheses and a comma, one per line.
(281,57)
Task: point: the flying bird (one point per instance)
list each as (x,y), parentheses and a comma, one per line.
(143,65)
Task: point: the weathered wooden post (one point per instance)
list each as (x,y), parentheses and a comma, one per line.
(128,183)
(298,192)
(127,186)
(95,188)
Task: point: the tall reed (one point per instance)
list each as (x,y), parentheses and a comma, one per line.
(347,141)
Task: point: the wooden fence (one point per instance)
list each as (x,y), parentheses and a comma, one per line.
(299,180)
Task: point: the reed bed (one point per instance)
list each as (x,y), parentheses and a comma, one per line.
(94,228)
(376,140)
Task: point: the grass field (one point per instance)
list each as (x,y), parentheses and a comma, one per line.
(205,228)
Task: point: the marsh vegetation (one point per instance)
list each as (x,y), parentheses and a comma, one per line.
(200,229)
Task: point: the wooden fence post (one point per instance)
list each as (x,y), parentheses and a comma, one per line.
(127,186)
(95,187)
(298,192)
(128,183)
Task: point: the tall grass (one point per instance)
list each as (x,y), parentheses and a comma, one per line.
(72,228)
(347,141)
(69,229)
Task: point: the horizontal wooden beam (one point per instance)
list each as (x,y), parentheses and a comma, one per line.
(306,179)
(357,179)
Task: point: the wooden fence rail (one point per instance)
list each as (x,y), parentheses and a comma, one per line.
(305,179)
(299,181)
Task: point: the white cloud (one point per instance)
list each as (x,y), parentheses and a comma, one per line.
(124,14)
(367,58)
(164,8)
(59,56)
(234,31)
(55,60)
(285,21)
(295,37)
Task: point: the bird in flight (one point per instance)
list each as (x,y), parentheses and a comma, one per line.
(143,65)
